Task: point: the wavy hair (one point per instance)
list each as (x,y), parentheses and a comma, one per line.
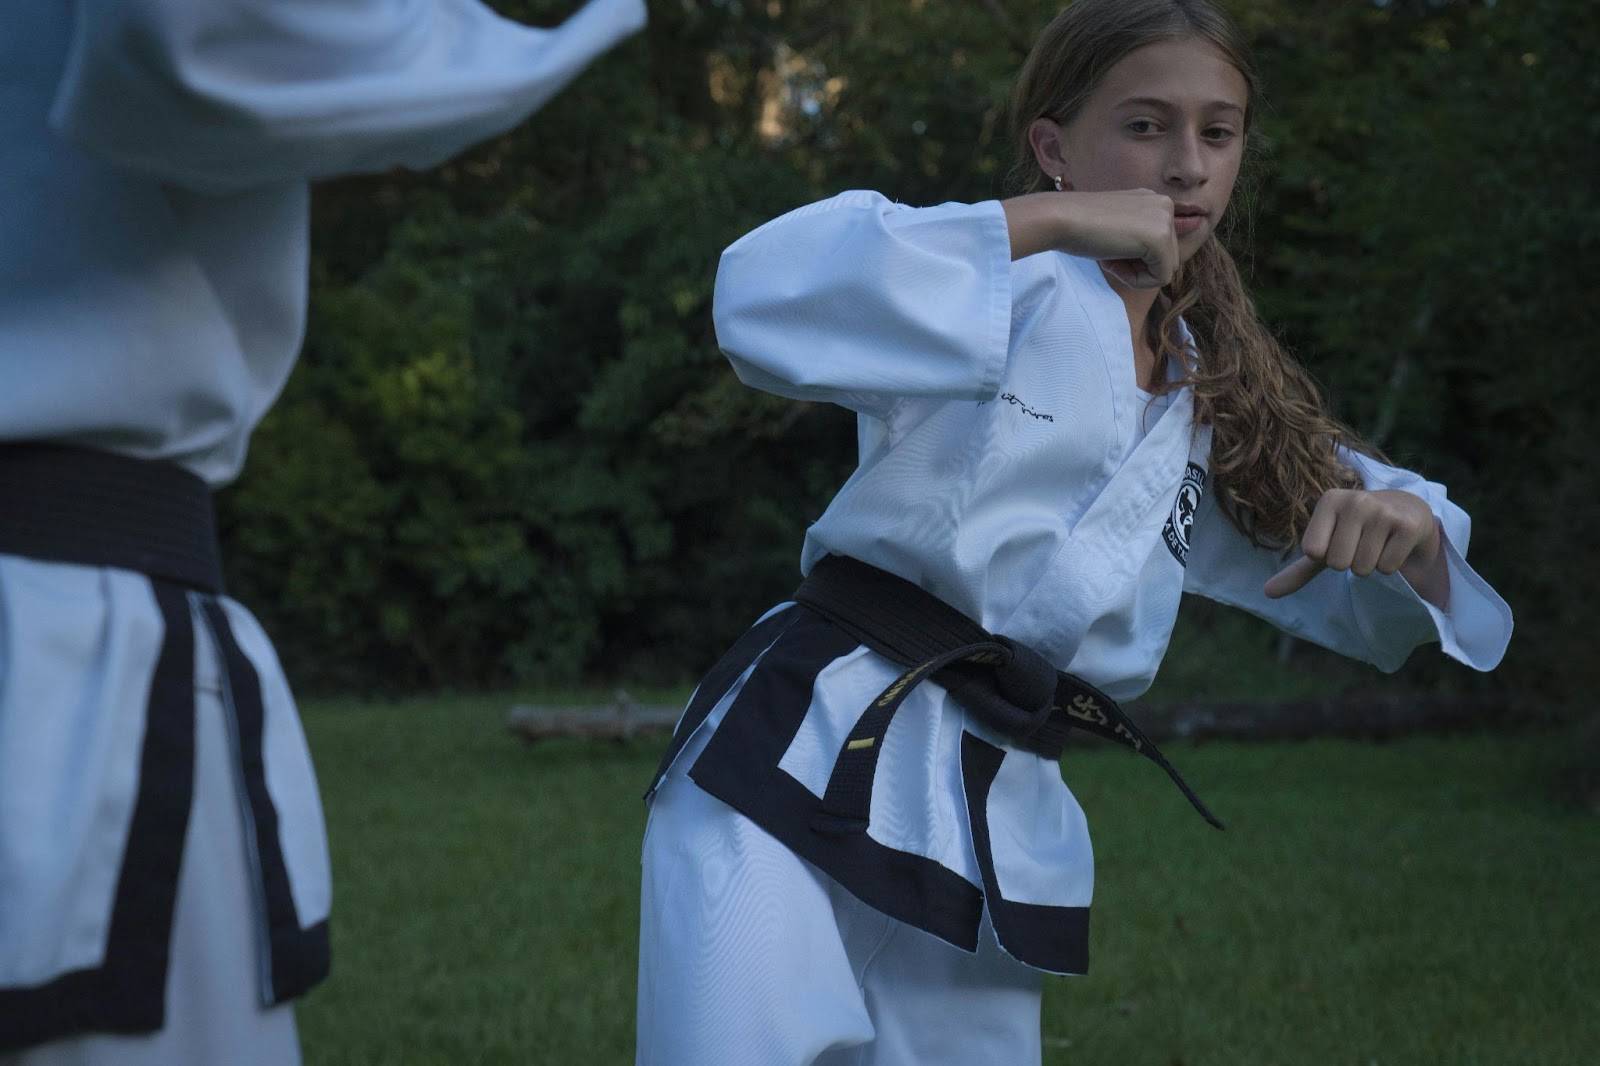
(1275,446)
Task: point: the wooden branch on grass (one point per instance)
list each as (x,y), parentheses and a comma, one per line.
(1361,716)
(620,719)
(1354,716)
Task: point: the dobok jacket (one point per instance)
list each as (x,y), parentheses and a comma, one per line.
(1011,465)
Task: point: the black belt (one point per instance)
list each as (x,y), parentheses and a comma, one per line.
(1008,685)
(67,504)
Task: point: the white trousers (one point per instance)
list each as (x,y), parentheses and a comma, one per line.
(214,1015)
(749,956)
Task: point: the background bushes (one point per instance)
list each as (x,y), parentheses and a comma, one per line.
(512,453)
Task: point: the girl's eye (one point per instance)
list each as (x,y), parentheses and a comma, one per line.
(1141,125)
(1219,134)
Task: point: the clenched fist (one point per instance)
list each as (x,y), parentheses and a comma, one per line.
(1384,530)
(1131,233)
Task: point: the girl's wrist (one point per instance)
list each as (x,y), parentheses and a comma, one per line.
(1427,571)
(1038,222)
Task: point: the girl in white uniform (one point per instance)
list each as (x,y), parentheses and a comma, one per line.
(164,888)
(1068,416)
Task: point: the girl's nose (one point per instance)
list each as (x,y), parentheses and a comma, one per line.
(1186,165)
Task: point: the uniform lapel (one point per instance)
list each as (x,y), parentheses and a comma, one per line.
(1110,546)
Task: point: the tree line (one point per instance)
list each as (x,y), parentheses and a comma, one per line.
(512,453)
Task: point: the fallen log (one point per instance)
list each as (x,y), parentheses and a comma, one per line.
(1361,716)
(619,720)
(1353,716)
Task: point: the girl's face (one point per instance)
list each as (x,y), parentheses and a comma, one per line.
(1169,117)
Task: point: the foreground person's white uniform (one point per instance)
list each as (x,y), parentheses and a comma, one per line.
(1009,465)
(164,887)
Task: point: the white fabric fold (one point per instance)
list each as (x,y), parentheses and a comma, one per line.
(227,95)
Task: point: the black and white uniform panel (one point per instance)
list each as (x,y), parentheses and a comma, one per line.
(153,775)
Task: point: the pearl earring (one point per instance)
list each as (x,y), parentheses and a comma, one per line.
(1058,183)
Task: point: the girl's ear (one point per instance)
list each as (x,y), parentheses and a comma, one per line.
(1048,141)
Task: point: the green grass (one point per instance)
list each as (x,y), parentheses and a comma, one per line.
(1421,902)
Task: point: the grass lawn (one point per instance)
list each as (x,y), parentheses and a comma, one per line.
(1420,902)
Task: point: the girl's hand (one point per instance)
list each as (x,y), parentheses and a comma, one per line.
(1130,233)
(1386,530)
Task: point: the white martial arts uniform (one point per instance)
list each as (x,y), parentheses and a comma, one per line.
(1011,466)
(153,283)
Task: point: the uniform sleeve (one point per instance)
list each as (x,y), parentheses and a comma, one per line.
(1377,619)
(224,95)
(862,302)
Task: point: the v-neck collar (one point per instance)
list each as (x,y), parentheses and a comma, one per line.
(1108,316)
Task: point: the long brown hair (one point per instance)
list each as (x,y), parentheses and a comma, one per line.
(1273,449)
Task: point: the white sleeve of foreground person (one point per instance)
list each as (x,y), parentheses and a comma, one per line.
(223,95)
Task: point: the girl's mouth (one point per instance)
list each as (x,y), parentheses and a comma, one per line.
(1187,218)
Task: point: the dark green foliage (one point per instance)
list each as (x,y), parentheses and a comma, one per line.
(513,452)
(1424,243)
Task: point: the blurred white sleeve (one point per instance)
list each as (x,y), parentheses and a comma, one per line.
(223,95)
(860,301)
(1378,619)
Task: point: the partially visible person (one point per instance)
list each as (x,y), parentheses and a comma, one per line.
(164,878)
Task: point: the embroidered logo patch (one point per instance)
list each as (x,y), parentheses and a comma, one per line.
(1181,520)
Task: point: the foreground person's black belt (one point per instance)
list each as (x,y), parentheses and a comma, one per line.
(94,508)
(1008,685)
